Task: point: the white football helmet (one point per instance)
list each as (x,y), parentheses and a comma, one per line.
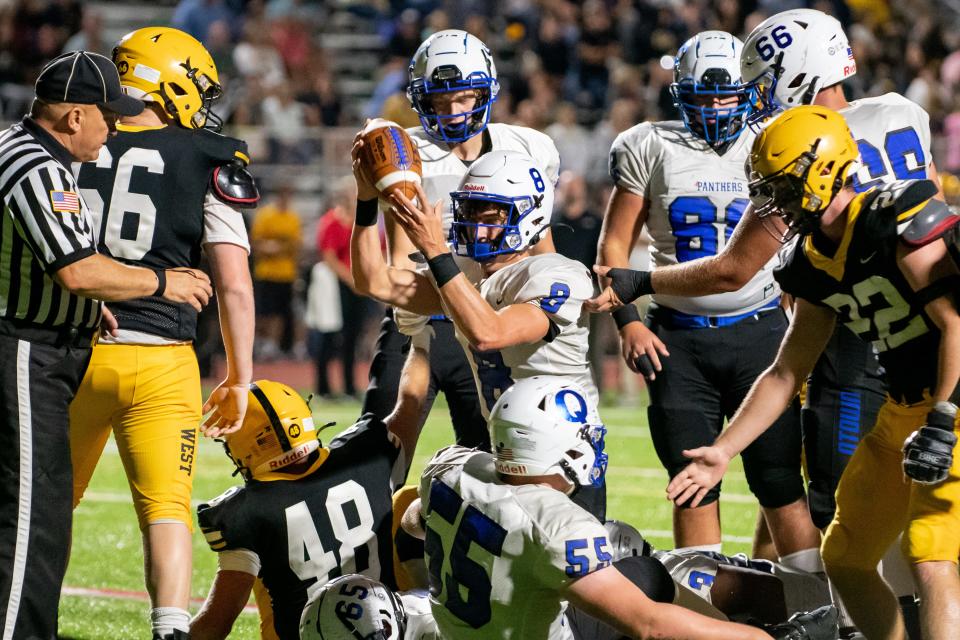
(452,60)
(708,65)
(350,607)
(512,181)
(625,540)
(792,55)
(545,425)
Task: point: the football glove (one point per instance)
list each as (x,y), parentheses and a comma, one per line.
(928,451)
(629,284)
(819,624)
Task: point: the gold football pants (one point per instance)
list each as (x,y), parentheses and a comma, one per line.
(150,397)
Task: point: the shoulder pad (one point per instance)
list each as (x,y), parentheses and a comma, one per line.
(933,219)
(903,195)
(219,148)
(367,423)
(233,184)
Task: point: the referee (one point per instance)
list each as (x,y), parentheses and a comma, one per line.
(51,284)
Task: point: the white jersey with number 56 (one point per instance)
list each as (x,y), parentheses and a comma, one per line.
(499,555)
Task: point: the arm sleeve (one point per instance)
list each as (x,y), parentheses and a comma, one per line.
(574,542)
(49,214)
(223,223)
(558,292)
(224,521)
(629,168)
(242,560)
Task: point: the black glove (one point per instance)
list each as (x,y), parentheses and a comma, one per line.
(928,452)
(819,624)
(629,284)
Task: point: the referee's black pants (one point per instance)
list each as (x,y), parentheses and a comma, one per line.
(37,382)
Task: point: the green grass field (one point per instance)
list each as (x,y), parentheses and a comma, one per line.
(104,595)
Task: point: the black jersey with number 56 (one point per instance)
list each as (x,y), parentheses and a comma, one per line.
(863,283)
(309,531)
(146,191)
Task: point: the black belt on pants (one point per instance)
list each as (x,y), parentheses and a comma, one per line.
(63,336)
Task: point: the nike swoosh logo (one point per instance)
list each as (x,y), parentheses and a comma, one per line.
(868,258)
(499,301)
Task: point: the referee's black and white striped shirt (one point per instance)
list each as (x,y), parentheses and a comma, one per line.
(45,227)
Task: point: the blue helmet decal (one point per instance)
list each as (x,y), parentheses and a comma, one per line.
(572,405)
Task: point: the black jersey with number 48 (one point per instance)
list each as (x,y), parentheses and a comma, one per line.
(863,283)
(309,531)
(146,191)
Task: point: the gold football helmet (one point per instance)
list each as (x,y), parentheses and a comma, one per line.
(170,67)
(798,164)
(277,440)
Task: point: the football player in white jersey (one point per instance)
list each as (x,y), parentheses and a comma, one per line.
(526,317)
(453,86)
(507,549)
(685,181)
(802,56)
(355,606)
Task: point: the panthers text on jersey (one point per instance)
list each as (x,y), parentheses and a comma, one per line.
(499,555)
(558,286)
(696,197)
(443,171)
(149,193)
(299,534)
(862,282)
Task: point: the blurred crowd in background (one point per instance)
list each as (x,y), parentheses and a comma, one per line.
(300,76)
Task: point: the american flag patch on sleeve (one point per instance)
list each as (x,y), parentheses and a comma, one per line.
(65,201)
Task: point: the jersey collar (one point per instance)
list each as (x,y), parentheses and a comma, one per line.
(834,265)
(48,142)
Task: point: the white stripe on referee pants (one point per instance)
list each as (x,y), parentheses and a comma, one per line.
(26,487)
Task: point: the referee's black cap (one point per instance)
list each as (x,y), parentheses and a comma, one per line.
(84,77)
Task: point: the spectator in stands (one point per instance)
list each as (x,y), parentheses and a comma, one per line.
(321,99)
(285,122)
(256,58)
(90,37)
(333,246)
(571,139)
(276,239)
(196,16)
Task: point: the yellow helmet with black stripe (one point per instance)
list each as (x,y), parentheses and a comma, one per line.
(171,68)
(278,440)
(798,164)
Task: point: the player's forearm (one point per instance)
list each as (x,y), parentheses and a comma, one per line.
(948,366)
(706,276)
(768,398)
(237,328)
(103,278)
(367,266)
(474,317)
(671,621)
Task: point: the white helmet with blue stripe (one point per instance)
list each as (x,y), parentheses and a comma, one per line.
(708,66)
(545,425)
(512,182)
(449,61)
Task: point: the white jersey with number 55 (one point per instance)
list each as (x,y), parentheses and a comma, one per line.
(499,555)
(558,286)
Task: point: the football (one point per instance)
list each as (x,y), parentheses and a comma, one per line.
(390,159)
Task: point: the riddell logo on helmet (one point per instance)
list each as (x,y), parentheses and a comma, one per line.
(511,468)
(290,458)
(849,70)
(474,187)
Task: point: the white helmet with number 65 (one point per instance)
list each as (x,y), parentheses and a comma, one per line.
(350,607)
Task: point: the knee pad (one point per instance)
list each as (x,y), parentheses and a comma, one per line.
(775,486)
(649,575)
